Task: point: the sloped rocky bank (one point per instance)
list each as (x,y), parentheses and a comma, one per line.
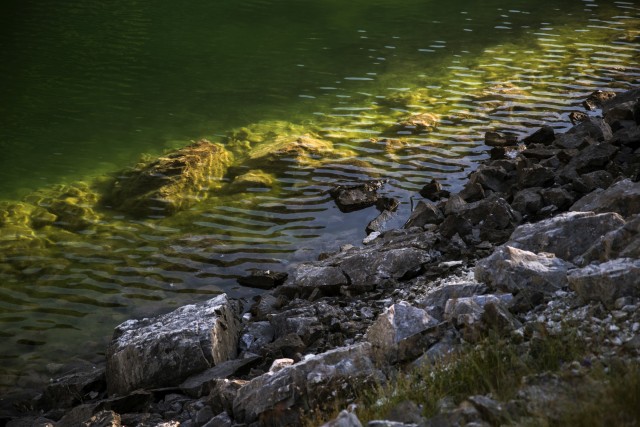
(542,241)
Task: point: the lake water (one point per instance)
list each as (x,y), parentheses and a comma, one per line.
(87,88)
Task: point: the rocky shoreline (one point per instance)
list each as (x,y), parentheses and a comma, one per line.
(544,238)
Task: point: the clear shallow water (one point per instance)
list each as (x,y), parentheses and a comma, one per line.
(87,87)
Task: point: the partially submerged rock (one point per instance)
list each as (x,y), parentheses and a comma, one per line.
(165,350)
(170,183)
(351,198)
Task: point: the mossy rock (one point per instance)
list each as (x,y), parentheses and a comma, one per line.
(70,207)
(416,123)
(170,183)
(253,179)
(406,99)
(242,140)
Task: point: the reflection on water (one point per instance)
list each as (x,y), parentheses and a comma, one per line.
(86,88)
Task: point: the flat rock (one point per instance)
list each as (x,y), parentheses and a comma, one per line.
(263,279)
(306,278)
(567,235)
(351,198)
(623,242)
(608,281)
(165,350)
(423,214)
(513,270)
(622,197)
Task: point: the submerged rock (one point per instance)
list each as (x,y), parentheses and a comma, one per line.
(170,183)
(72,206)
(351,198)
(165,350)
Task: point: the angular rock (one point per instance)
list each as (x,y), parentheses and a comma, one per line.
(433,191)
(559,197)
(593,157)
(351,198)
(435,301)
(623,242)
(467,313)
(263,279)
(513,270)
(72,389)
(578,116)
(494,178)
(306,278)
(567,235)
(298,148)
(278,399)
(396,335)
(252,180)
(497,318)
(472,192)
(221,420)
(344,419)
(622,197)
(545,135)
(417,123)
(608,281)
(380,223)
(255,336)
(597,98)
(423,214)
(170,183)
(200,384)
(527,201)
(495,139)
(620,99)
(104,419)
(165,350)
(536,176)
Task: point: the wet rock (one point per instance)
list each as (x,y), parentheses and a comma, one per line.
(567,235)
(396,335)
(597,98)
(351,198)
(344,419)
(495,139)
(300,149)
(577,117)
(608,281)
(165,350)
(263,279)
(170,183)
(620,99)
(71,207)
(380,223)
(423,214)
(278,398)
(623,242)
(255,336)
(433,191)
(536,176)
(417,123)
(622,197)
(545,135)
(254,179)
(513,270)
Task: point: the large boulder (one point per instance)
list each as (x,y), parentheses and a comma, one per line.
(512,270)
(622,197)
(300,149)
(623,242)
(567,235)
(279,398)
(608,281)
(170,183)
(70,206)
(165,350)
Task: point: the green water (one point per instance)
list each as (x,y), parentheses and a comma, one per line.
(86,88)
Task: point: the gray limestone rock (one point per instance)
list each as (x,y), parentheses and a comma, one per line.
(622,197)
(608,281)
(435,301)
(344,419)
(513,270)
(278,398)
(623,242)
(308,277)
(165,350)
(567,235)
(424,213)
(255,336)
(396,333)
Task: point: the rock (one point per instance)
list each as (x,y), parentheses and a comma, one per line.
(306,278)
(595,129)
(423,214)
(436,299)
(70,207)
(351,198)
(252,180)
(380,222)
(536,176)
(467,313)
(103,419)
(567,235)
(545,135)
(33,421)
(527,201)
(597,99)
(513,270)
(165,350)
(540,153)
(577,117)
(495,139)
(264,305)
(289,346)
(490,410)
(170,183)
(497,318)
(619,99)
(592,158)
(608,281)
(220,420)
(300,149)
(396,335)
(623,242)
(255,336)
(623,197)
(433,191)
(200,384)
(559,197)
(494,178)
(596,179)
(472,192)
(344,419)
(417,123)
(72,389)
(263,279)
(278,399)
(405,412)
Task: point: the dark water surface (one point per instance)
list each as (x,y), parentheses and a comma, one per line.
(87,87)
